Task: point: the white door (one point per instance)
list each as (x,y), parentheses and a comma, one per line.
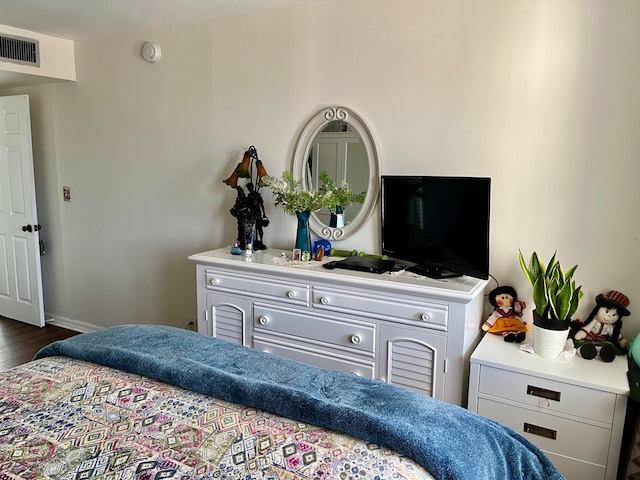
(20,274)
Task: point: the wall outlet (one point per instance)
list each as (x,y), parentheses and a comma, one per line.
(66,194)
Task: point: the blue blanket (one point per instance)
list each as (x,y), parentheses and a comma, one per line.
(449,441)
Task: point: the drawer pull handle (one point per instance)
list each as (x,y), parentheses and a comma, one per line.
(215,281)
(263,320)
(540,431)
(426,317)
(291,294)
(355,339)
(543,393)
(324,301)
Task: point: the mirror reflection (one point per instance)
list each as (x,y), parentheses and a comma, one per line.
(338,150)
(337,143)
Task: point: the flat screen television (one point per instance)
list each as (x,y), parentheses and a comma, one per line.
(440,224)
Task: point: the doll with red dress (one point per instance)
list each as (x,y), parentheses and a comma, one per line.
(506,319)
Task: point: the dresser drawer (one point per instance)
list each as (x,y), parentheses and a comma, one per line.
(348,335)
(573,439)
(548,395)
(256,286)
(316,358)
(381,306)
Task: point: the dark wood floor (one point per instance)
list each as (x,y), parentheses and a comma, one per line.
(19,342)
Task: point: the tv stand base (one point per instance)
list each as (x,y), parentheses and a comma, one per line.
(432,271)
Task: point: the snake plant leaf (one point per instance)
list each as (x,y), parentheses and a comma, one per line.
(563,301)
(525,270)
(571,271)
(536,266)
(552,262)
(575,300)
(539,296)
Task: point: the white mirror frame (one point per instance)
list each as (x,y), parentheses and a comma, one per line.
(313,127)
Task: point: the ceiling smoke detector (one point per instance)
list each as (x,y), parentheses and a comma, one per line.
(151,52)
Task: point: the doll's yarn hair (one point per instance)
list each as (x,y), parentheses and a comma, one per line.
(500,291)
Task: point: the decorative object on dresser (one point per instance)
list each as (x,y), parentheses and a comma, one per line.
(295,200)
(573,410)
(249,207)
(336,140)
(556,298)
(600,334)
(406,330)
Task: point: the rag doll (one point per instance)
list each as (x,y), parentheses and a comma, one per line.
(506,318)
(599,334)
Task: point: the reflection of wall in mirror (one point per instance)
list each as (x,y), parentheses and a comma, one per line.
(344,157)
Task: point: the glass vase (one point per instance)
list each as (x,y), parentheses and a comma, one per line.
(303,235)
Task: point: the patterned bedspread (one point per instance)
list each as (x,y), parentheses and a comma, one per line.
(67,419)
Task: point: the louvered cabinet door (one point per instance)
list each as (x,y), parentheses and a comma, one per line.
(227,316)
(413,359)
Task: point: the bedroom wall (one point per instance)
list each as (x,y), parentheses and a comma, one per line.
(539,95)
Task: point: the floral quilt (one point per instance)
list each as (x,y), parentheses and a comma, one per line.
(67,419)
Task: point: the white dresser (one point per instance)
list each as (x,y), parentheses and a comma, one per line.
(574,411)
(407,330)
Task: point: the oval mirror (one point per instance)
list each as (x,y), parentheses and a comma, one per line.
(337,141)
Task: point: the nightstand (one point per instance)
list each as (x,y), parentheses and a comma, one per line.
(574,411)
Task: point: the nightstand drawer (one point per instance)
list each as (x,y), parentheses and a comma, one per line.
(256,286)
(382,306)
(548,395)
(570,438)
(353,336)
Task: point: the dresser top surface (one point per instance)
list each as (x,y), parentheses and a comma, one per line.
(611,377)
(269,261)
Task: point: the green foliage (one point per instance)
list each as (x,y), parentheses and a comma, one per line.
(555,294)
(290,195)
(340,196)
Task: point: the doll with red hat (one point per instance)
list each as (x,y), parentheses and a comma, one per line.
(600,334)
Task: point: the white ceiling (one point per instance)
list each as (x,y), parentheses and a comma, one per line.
(81,19)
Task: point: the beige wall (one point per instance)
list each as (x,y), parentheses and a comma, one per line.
(540,95)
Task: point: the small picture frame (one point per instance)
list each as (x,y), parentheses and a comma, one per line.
(297,254)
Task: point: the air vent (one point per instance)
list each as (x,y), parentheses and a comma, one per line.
(19,50)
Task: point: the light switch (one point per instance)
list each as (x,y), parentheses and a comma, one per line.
(66,194)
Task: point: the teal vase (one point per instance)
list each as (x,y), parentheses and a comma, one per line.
(303,235)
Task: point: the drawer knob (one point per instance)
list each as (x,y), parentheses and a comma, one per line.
(324,301)
(355,339)
(215,281)
(291,294)
(263,320)
(426,317)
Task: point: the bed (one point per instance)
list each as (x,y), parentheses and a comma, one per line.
(145,402)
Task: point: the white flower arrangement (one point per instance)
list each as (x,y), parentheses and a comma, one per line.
(293,199)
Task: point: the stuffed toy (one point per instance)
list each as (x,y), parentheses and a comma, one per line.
(600,333)
(505,319)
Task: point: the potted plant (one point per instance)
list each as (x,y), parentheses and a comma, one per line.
(556,298)
(340,197)
(295,200)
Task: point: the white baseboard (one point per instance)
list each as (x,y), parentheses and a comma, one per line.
(71,324)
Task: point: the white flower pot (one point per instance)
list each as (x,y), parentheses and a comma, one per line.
(549,343)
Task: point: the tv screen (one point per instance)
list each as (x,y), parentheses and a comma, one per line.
(440,224)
